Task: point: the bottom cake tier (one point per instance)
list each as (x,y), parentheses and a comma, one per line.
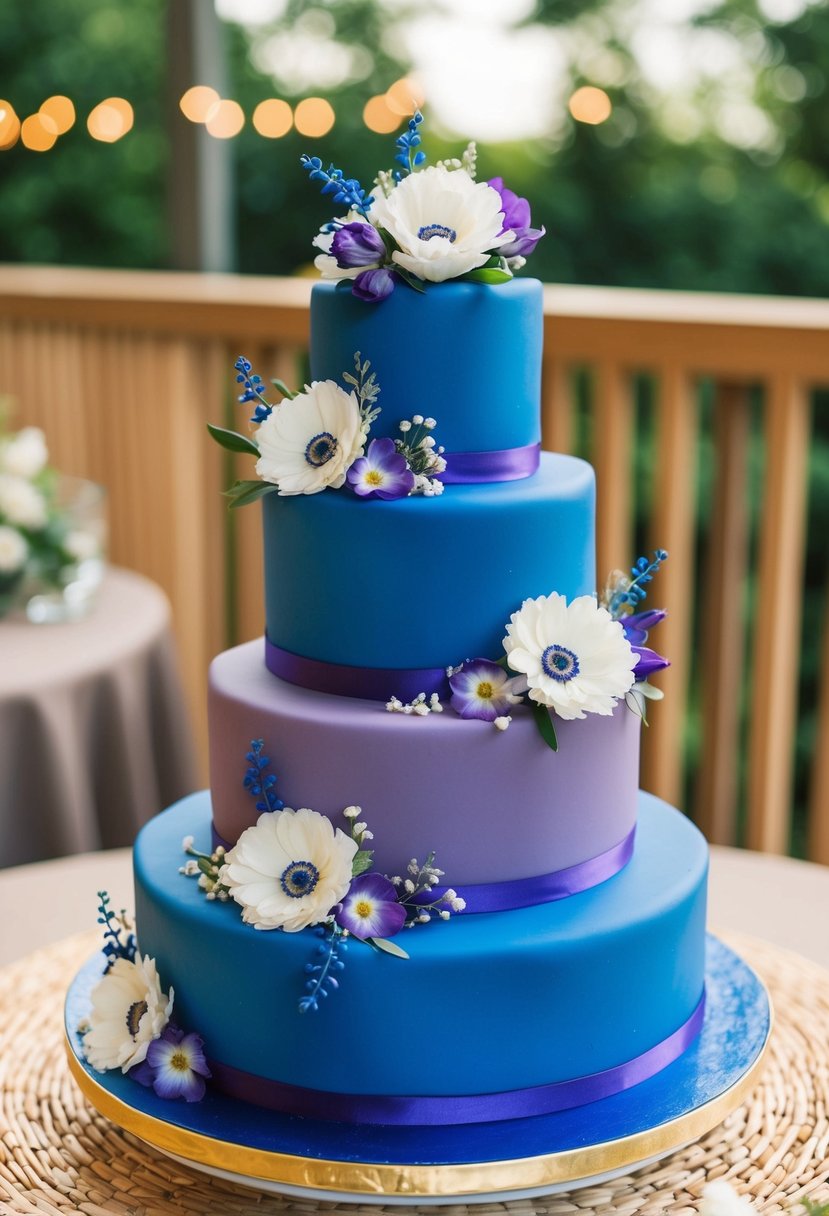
(492,1016)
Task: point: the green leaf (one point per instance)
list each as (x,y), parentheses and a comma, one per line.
(281,387)
(361,862)
(544,722)
(411,279)
(504,662)
(206,866)
(233,441)
(243,492)
(383,943)
(488,275)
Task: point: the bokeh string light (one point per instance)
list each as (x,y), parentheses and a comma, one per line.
(314,117)
(273,118)
(35,136)
(57,114)
(378,117)
(590,105)
(199,103)
(110,120)
(226,119)
(9,126)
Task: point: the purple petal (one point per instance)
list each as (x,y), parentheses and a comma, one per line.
(374,285)
(516,210)
(357,244)
(382,458)
(371,908)
(647,662)
(523,244)
(143,1073)
(637,625)
(464,683)
(187,1085)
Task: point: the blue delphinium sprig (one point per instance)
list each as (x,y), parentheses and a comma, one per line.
(253,389)
(119,941)
(258,783)
(321,973)
(347,191)
(626,594)
(407,143)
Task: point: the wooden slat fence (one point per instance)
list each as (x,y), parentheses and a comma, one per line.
(123,369)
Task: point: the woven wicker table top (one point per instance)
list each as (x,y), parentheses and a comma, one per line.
(57,1155)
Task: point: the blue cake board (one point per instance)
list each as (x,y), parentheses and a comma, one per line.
(514,1159)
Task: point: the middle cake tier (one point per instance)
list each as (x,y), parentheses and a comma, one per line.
(420,583)
(496,807)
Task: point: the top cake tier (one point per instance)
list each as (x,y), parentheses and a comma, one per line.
(468,354)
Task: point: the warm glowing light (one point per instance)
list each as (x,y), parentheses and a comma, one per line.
(273,118)
(378,117)
(110,120)
(314,117)
(57,114)
(226,120)
(199,103)
(35,136)
(9,126)
(404,97)
(590,105)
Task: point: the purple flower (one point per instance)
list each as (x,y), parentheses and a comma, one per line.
(482,689)
(516,219)
(357,244)
(371,908)
(383,471)
(647,662)
(637,625)
(178,1065)
(373,285)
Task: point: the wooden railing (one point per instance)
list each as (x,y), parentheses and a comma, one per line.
(123,369)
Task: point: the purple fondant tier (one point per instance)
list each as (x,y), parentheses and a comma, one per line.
(494,806)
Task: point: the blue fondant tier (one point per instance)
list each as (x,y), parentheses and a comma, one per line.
(424,582)
(467,354)
(485,1004)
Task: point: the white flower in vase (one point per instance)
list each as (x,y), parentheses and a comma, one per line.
(289,870)
(24,454)
(21,503)
(13,550)
(129,1011)
(309,442)
(445,223)
(575,657)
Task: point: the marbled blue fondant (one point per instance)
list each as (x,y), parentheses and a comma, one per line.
(468,354)
(424,582)
(484,1004)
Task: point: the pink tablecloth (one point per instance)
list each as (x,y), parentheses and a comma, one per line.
(94,734)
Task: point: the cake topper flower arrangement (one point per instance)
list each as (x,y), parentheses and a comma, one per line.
(422,224)
(316,440)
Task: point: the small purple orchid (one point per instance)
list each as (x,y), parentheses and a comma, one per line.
(647,662)
(383,472)
(482,689)
(517,219)
(175,1066)
(357,244)
(371,908)
(372,286)
(638,625)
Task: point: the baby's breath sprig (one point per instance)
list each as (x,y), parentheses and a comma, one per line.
(367,389)
(119,940)
(423,456)
(208,867)
(360,835)
(468,160)
(418,706)
(415,892)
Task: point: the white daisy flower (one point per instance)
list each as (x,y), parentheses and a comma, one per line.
(129,1011)
(310,442)
(720,1199)
(445,223)
(21,503)
(24,454)
(13,550)
(576,658)
(289,869)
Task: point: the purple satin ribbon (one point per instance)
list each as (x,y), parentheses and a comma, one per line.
(420,1110)
(368,683)
(507,464)
(527,892)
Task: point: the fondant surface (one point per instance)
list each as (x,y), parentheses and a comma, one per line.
(439,783)
(466,353)
(424,582)
(484,1003)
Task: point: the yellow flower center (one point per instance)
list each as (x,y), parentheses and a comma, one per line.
(363,908)
(179,1061)
(374,477)
(485,690)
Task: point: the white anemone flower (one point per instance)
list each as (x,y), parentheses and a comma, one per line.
(575,657)
(445,223)
(24,454)
(289,869)
(311,441)
(21,503)
(720,1199)
(13,550)
(129,1011)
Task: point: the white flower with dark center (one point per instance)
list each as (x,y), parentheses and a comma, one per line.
(311,441)
(575,657)
(24,454)
(289,870)
(129,1011)
(445,223)
(13,550)
(21,503)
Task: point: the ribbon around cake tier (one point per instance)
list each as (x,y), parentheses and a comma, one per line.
(442,1110)
(477,468)
(342,680)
